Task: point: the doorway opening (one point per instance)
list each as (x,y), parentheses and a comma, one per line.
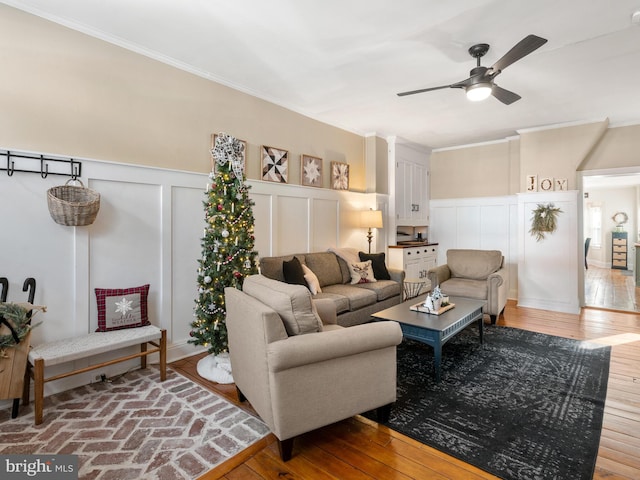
(611,234)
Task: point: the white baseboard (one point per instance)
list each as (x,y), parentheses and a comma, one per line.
(554,306)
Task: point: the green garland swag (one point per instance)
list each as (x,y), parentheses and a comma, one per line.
(544,220)
(18,317)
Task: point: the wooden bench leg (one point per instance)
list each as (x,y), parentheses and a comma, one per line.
(143,358)
(163,356)
(38,392)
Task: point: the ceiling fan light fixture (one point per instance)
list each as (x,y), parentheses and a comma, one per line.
(478,91)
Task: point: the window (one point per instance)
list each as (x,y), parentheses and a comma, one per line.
(594,227)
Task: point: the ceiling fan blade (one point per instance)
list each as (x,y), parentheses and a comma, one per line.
(461,84)
(505,96)
(521,49)
(422,90)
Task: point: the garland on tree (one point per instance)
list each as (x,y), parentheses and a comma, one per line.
(227,245)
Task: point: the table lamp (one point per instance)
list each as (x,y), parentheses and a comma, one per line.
(371,219)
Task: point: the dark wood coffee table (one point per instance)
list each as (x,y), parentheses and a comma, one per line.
(435,330)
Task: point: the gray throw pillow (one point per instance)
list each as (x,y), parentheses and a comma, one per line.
(292,302)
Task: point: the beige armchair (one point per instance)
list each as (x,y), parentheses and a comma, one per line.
(297,367)
(476,274)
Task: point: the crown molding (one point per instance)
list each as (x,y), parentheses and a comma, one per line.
(556,126)
(472,145)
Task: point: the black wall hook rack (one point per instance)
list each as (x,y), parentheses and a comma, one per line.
(30,285)
(40,164)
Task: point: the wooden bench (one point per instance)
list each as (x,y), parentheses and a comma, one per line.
(68,350)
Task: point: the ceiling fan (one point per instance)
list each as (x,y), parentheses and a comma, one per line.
(480,83)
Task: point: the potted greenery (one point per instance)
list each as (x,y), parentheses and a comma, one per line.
(15,332)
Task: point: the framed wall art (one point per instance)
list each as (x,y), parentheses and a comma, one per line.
(310,171)
(214,136)
(275,164)
(339,176)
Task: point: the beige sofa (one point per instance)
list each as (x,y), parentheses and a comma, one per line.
(476,274)
(354,303)
(297,367)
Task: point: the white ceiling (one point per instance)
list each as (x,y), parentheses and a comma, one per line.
(609,181)
(343,61)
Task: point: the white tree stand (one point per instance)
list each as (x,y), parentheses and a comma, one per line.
(216,368)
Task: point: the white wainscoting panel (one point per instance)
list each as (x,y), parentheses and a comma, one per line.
(187,231)
(468,226)
(443,227)
(513,247)
(262,214)
(325,224)
(548,269)
(148,230)
(296,219)
(494,230)
(33,245)
(125,249)
(483,223)
(293,224)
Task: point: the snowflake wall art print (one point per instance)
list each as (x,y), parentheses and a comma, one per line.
(339,176)
(311,171)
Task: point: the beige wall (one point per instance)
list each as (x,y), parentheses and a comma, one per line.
(501,168)
(558,152)
(377,161)
(474,171)
(66,93)
(619,147)
(514,162)
(63,92)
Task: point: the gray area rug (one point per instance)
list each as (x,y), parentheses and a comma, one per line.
(523,406)
(135,427)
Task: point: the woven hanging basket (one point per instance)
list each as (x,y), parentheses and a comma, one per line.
(73,206)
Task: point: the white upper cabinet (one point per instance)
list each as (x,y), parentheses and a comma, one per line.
(411,183)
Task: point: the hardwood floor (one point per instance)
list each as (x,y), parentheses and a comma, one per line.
(611,288)
(358,448)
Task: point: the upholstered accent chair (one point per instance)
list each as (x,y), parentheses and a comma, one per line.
(299,369)
(478,274)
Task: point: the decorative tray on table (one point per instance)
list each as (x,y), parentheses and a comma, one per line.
(419,307)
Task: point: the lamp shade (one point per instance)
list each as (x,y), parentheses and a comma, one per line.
(478,91)
(371,218)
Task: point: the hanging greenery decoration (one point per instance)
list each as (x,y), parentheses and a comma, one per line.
(17,318)
(544,220)
(620,218)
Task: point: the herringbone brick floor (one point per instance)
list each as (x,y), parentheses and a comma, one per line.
(135,427)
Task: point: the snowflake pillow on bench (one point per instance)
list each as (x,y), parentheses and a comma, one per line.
(120,308)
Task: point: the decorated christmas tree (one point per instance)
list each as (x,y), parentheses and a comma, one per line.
(227,249)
